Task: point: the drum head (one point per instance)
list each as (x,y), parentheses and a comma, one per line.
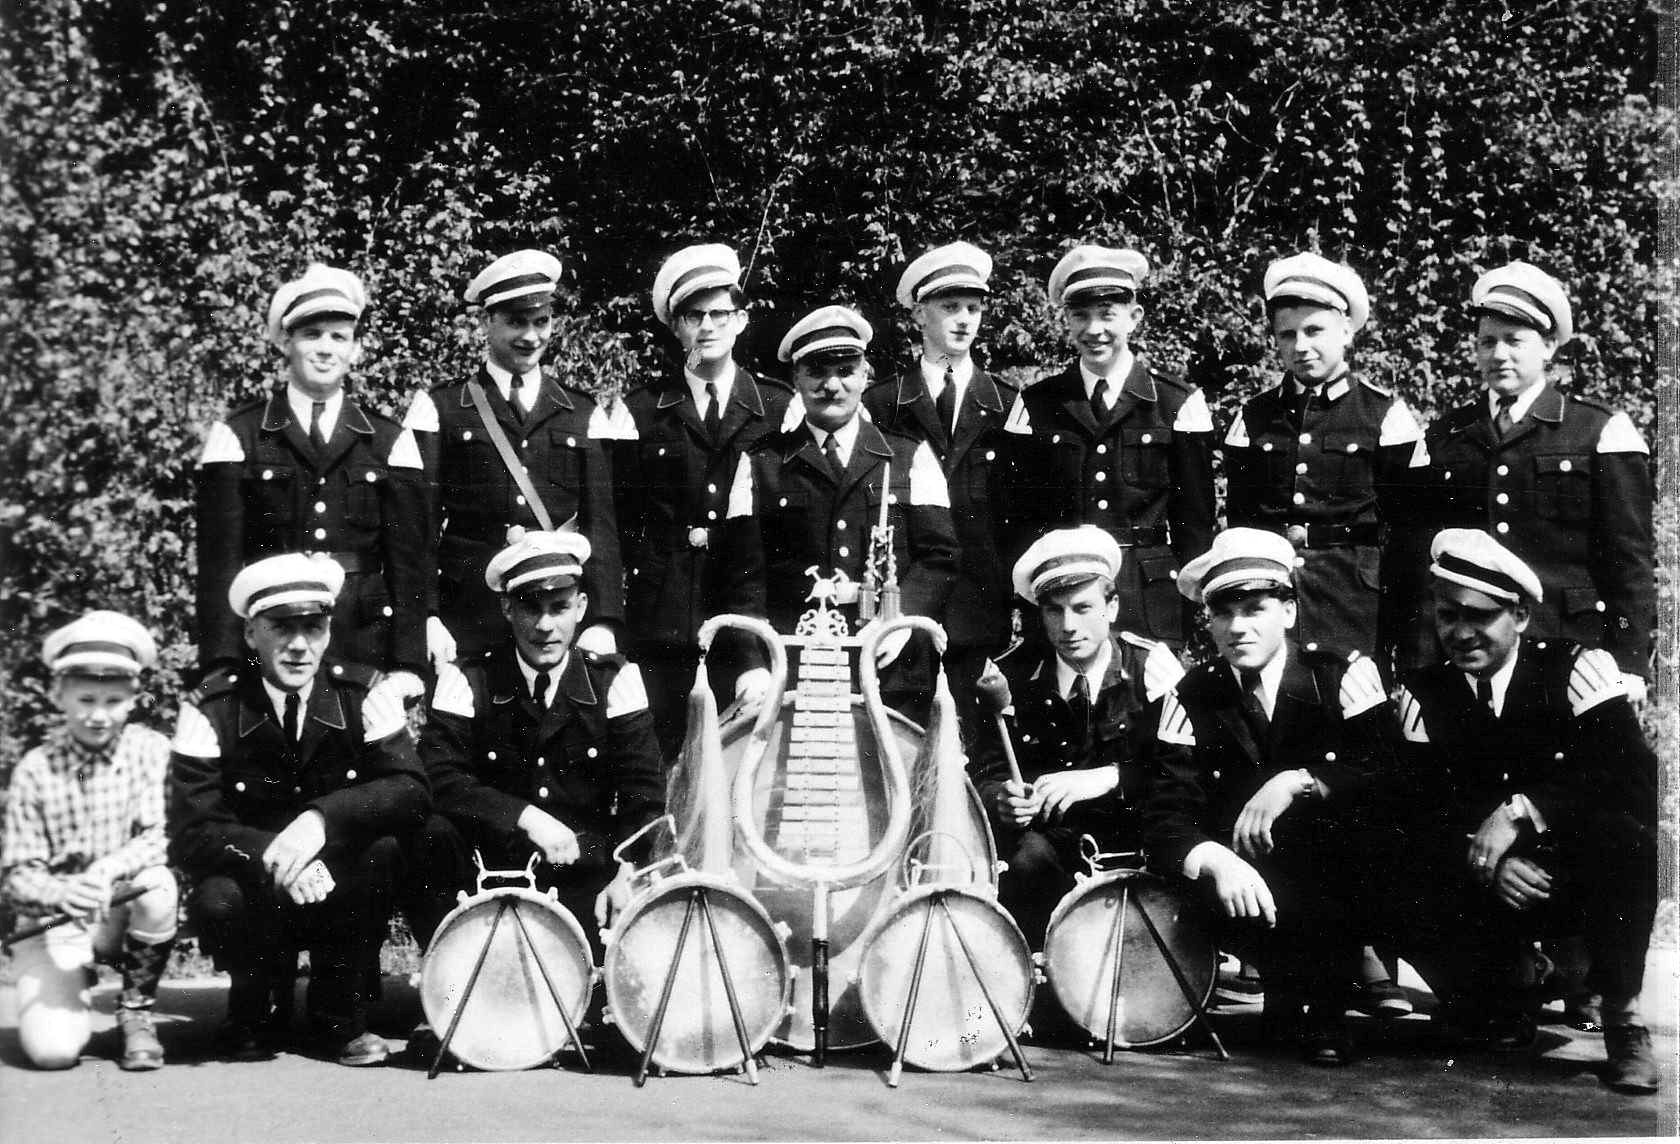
(698,1033)
(509,1020)
(952,1028)
(1080,963)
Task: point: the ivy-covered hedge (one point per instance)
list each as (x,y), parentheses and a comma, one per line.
(169,162)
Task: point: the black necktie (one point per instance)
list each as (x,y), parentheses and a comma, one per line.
(1079,705)
(317,410)
(1484,696)
(831,450)
(515,384)
(1502,420)
(946,404)
(539,691)
(291,717)
(1301,403)
(713,418)
(1099,397)
(1254,707)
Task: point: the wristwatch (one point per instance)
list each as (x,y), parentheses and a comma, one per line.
(1309,785)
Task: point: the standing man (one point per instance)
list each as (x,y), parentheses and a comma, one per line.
(536,747)
(289,785)
(1262,752)
(511,446)
(687,431)
(959,412)
(1528,749)
(1326,459)
(1563,481)
(1117,444)
(1087,703)
(804,501)
(308,469)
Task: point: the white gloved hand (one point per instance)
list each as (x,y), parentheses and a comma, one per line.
(440,643)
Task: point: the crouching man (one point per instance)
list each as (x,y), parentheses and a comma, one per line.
(288,786)
(1261,755)
(84,826)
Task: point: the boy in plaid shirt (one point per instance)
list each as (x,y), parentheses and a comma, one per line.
(84,822)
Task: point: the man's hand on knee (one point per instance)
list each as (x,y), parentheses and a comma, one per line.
(1521,884)
(554,840)
(1241,891)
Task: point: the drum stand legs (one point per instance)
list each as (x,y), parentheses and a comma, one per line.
(472,982)
(897,1070)
(698,899)
(1116,995)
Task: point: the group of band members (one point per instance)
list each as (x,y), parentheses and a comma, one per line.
(538,564)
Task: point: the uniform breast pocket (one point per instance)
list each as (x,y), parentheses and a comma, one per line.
(1272,462)
(475,459)
(364,486)
(271,491)
(1347,459)
(1145,456)
(563,466)
(1563,486)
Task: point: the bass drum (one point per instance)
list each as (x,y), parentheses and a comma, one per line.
(953,1027)
(1079,956)
(509,1020)
(698,1033)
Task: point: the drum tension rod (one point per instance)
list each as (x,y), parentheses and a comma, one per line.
(698,899)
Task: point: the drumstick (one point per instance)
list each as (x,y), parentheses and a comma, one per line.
(122,897)
(992,689)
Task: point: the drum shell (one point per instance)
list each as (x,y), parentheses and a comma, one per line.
(698,1033)
(1079,960)
(510,1021)
(953,1028)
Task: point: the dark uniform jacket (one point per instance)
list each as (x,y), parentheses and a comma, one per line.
(1331,716)
(563,445)
(1566,739)
(236,781)
(263,490)
(1579,517)
(789,515)
(976,463)
(673,482)
(1333,472)
(1048,736)
(490,753)
(1144,474)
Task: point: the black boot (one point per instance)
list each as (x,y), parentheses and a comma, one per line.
(142,969)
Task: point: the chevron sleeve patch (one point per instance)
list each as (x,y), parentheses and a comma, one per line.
(741,492)
(194,735)
(382,713)
(1161,672)
(1194,415)
(1175,723)
(620,425)
(927,480)
(1594,679)
(405,452)
(221,447)
(1236,437)
(1411,718)
(1362,688)
(627,695)
(1018,421)
(1620,436)
(422,415)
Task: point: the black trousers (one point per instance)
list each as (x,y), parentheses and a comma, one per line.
(441,858)
(1042,859)
(245,921)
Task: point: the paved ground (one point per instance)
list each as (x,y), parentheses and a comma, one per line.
(1406,1086)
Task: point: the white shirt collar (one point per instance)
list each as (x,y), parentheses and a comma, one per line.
(277,700)
(845,437)
(1331,387)
(725,386)
(1066,673)
(303,408)
(1500,679)
(531,381)
(933,375)
(529,674)
(1519,407)
(1116,375)
(1271,678)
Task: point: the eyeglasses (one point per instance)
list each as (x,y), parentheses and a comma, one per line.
(693,318)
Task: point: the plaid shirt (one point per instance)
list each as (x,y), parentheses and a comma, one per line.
(70,807)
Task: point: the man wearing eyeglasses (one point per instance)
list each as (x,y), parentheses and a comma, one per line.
(680,444)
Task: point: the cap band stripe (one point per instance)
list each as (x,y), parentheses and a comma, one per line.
(311,586)
(1099,273)
(1527,305)
(1492,577)
(547,562)
(969,273)
(843,333)
(1282,289)
(312,295)
(99,646)
(1246,564)
(699,272)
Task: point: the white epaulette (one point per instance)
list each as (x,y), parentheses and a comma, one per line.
(221,447)
(1594,679)
(627,695)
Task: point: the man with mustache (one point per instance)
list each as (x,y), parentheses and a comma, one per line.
(289,785)
(1117,443)
(1086,701)
(1262,754)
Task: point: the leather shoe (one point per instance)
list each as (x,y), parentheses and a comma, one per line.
(243,1043)
(1630,1067)
(1584,1012)
(1381,999)
(364,1051)
(142,1051)
(1325,1040)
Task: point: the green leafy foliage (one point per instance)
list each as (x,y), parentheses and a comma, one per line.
(169,163)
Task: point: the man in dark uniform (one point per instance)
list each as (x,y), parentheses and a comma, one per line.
(512,446)
(1086,704)
(1262,753)
(959,411)
(288,786)
(306,468)
(1563,481)
(1529,749)
(686,432)
(804,502)
(1117,444)
(1326,458)
(535,747)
